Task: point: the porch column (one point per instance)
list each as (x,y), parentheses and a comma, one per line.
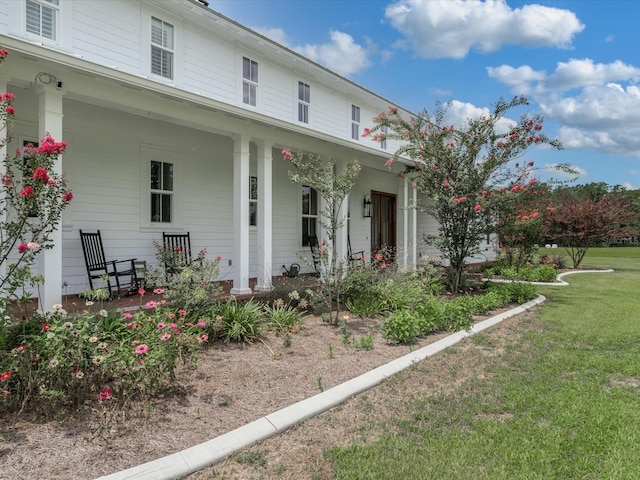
(265,218)
(403,260)
(240,215)
(342,234)
(414,230)
(50,121)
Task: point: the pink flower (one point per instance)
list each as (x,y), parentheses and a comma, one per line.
(171,315)
(105,394)
(40,174)
(135,342)
(378,256)
(127,315)
(446,183)
(218,258)
(6,180)
(141,291)
(5,376)
(477,208)
(10,110)
(142,349)
(158,291)
(26,191)
(389,162)
(176,331)
(33,246)
(366,132)
(150,304)
(286,154)
(165,337)
(173,325)
(128,325)
(22,247)
(160,325)
(201,324)
(383,265)
(8,97)
(182,312)
(203,338)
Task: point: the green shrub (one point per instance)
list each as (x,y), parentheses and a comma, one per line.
(239,322)
(519,292)
(283,317)
(401,326)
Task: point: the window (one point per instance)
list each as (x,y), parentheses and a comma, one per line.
(304,100)
(355,122)
(384,130)
(42,17)
(249,81)
(161,48)
(309,214)
(253,201)
(161,192)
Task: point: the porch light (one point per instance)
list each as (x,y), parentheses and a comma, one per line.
(366,206)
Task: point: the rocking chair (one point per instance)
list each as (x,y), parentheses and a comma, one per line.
(107,270)
(177,248)
(355,258)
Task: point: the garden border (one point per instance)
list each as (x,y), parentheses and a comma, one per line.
(559,282)
(180,464)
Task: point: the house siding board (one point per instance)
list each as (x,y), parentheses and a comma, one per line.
(108,33)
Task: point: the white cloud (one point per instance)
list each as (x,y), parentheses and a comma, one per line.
(451,28)
(459,113)
(519,78)
(342,55)
(275,34)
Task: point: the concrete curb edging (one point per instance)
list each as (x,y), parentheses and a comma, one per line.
(180,464)
(558,283)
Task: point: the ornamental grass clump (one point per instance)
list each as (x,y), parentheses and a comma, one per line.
(240,322)
(283,317)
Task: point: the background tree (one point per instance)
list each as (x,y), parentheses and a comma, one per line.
(579,225)
(457,168)
(333,187)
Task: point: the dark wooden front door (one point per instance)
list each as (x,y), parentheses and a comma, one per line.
(383,222)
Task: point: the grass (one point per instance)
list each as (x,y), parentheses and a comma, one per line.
(562,400)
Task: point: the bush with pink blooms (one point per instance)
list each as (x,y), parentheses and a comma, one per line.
(56,363)
(33,197)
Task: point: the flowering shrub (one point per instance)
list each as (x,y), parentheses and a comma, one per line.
(34,198)
(459,169)
(97,357)
(192,286)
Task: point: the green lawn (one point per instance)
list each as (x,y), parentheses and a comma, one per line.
(563,401)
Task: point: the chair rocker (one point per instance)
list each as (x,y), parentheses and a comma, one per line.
(177,252)
(120,275)
(355,258)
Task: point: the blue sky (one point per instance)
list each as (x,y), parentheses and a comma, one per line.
(576,60)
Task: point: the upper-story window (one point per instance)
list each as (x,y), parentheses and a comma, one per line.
(355,122)
(162,48)
(161,191)
(384,130)
(42,17)
(249,81)
(304,100)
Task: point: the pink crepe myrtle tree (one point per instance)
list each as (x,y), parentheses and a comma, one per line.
(457,168)
(32,198)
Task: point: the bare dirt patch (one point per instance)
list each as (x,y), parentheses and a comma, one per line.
(232,386)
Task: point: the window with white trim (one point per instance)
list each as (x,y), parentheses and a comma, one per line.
(384,130)
(304,100)
(253,201)
(249,81)
(42,18)
(162,48)
(355,122)
(309,214)
(161,192)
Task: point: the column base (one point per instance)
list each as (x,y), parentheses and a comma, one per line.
(241,291)
(263,288)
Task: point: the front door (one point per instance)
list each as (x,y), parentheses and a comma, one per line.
(383,224)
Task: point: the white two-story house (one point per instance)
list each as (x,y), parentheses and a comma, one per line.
(176,117)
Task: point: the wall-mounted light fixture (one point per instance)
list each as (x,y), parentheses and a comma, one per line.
(366,206)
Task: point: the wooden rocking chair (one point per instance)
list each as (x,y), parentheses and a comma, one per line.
(108,270)
(177,248)
(355,258)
